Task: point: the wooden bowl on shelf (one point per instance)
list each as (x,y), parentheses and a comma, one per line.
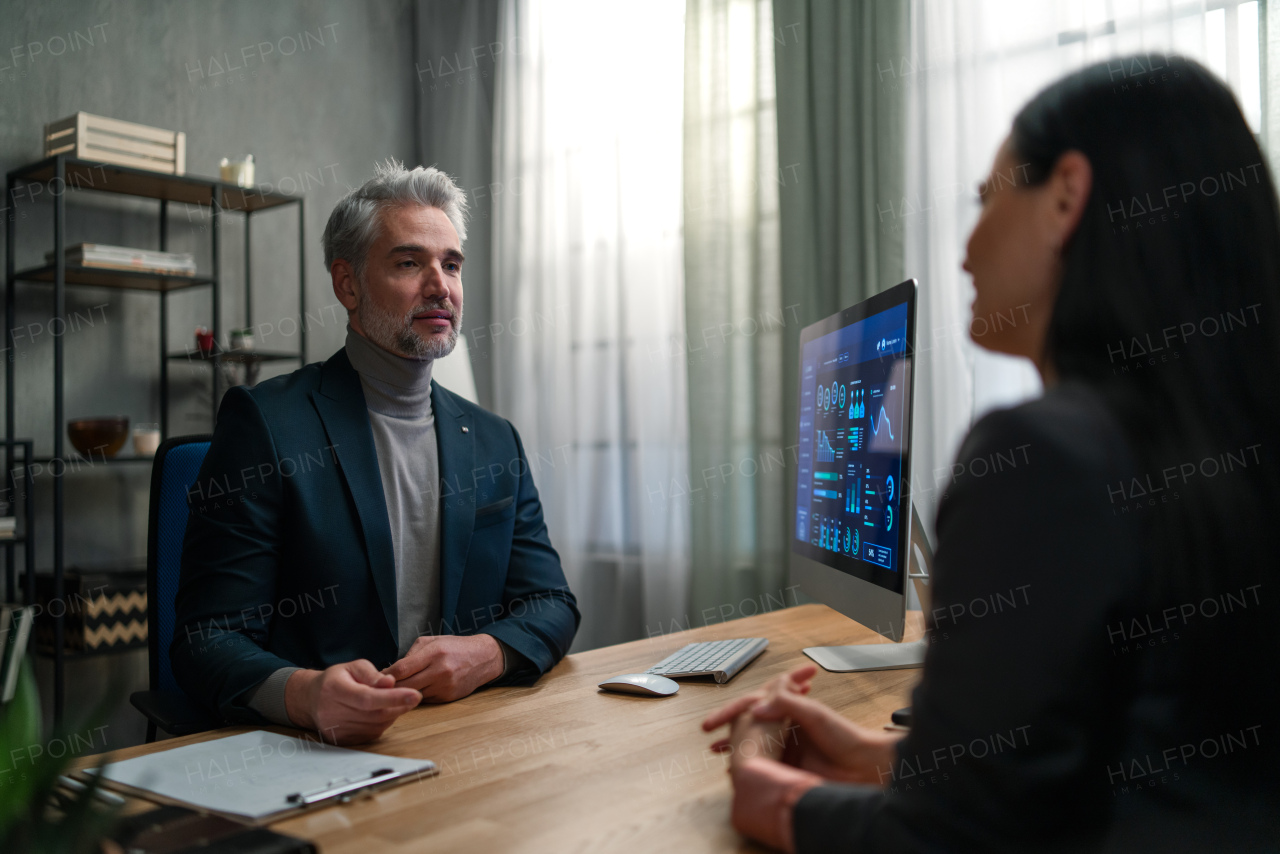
(98,436)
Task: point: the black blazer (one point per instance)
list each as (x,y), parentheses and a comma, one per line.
(288,558)
(1061,707)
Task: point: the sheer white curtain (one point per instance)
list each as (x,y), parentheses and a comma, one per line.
(971,65)
(588,287)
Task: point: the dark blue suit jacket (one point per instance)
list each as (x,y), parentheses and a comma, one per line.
(288,558)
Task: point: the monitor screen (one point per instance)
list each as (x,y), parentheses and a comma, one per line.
(852,510)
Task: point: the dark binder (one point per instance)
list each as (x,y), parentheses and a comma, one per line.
(178,830)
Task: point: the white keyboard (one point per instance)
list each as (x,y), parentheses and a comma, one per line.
(721,659)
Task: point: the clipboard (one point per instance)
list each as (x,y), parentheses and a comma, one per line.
(259,777)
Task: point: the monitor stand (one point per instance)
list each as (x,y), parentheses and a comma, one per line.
(886,655)
(868,656)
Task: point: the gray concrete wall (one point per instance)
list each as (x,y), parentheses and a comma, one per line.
(316,91)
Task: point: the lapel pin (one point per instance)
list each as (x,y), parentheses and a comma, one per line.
(466,429)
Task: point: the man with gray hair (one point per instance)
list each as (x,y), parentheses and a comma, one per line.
(361,478)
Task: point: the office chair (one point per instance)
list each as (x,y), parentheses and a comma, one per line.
(165,705)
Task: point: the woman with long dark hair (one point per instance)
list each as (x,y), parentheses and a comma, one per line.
(1129,702)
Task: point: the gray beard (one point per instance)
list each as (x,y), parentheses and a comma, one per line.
(396,333)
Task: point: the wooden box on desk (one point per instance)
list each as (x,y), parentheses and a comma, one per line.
(106,611)
(105,140)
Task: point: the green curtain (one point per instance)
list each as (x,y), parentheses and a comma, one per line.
(783,181)
(734,313)
(842,118)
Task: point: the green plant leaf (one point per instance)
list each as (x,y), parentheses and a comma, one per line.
(29,776)
(20,735)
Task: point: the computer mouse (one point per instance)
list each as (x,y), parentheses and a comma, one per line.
(645,684)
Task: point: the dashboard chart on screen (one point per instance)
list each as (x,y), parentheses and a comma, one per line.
(854,402)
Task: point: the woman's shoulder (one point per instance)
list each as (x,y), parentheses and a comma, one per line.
(1071,426)
(1039,498)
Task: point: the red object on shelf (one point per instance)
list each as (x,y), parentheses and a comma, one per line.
(204,340)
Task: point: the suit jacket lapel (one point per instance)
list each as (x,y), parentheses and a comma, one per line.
(455,442)
(341,405)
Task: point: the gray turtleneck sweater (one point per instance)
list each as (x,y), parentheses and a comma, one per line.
(397,392)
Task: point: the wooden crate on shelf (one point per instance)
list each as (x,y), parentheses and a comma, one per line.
(105,140)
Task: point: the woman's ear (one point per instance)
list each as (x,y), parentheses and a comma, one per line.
(1069,187)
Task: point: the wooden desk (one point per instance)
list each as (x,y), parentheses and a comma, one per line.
(565,767)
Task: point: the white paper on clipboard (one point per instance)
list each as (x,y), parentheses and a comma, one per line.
(254,773)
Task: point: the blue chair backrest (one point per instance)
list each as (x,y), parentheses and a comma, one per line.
(175,469)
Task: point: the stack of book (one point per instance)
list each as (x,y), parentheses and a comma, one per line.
(15,630)
(127,258)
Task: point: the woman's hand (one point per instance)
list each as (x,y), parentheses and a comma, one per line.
(795,682)
(749,737)
(813,743)
(765,793)
(822,742)
(815,737)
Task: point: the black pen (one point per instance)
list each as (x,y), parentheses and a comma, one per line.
(79,788)
(305,798)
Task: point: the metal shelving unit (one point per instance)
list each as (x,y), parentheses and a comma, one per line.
(69,173)
(23,536)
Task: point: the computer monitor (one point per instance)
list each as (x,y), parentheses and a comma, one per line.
(851,537)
